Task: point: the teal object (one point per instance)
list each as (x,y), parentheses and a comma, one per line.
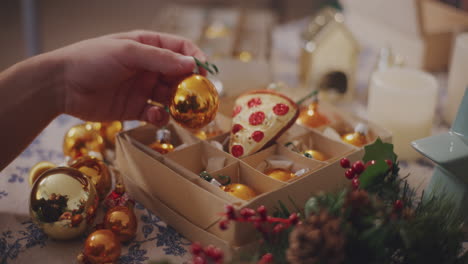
(450,153)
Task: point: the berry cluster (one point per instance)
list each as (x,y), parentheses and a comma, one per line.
(265,224)
(357,168)
(209,254)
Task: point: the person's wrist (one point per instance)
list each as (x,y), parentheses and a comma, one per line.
(54,79)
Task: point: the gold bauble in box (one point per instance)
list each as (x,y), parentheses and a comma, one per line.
(38,169)
(63,203)
(102,246)
(358,138)
(280,174)
(314,154)
(311,116)
(239,190)
(195,102)
(97,171)
(81,140)
(122,221)
(108,131)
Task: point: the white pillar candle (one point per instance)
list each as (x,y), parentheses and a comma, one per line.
(403,100)
(458,77)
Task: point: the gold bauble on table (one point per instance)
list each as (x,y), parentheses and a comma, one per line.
(195,102)
(38,169)
(102,246)
(63,202)
(108,131)
(122,221)
(280,174)
(240,191)
(97,171)
(315,154)
(81,140)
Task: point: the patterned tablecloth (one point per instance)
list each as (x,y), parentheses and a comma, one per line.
(22,242)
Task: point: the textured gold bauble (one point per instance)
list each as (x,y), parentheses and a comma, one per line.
(95,169)
(63,203)
(280,174)
(108,131)
(315,154)
(38,169)
(122,221)
(195,102)
(357,139)
(102,246)
(81,140)
(239,190)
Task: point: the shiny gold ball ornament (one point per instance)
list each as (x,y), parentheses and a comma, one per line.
(315,154)
(82,140)
(122,221)
(102,246)
(240,191)
(60,203)
(358,138)
(280,174)
(38,169)
(108,131)
(195,102)
(97,171)
(311,116)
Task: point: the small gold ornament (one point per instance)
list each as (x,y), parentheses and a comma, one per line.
(97,171)
(311,116)
(102,246)
(38,169)
(239,190)
(195,102)
(108,131)
(358,138)
(163,143)
(63,202)
(122,221)
(211,130)
(314,154)
(82,140)
(280,174)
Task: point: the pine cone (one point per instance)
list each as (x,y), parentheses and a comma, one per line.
(317,240)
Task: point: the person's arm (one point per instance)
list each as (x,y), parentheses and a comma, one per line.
(28,102)
(101,79)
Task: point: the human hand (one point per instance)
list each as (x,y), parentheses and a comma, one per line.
(112,77)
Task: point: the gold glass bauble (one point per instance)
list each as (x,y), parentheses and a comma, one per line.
(280,174)
(102,246)
(38,169)
(122,221)
(81,140)
(314,154)
(161,147)
(239,190)
(63,202)
(195,102)
(311,116)
(95,169)
(357,139)
(108,131)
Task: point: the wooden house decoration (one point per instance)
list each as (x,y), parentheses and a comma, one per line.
(329,55)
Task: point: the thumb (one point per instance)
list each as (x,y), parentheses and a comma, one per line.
(150,58)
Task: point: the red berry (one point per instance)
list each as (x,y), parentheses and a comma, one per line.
(355,182)
(267,258)
(198,260)
(261,210)
(257,136)
(358,167)
(195,248)
(254,102)
(230,213)
(237,151)
(344,162)
(370,163)
(217,254)
(349,173)
(256,118)
(237,110)
(278,228)
(210,251)
(293,219)
(223,225)
(280,109)
(236,128)
(389,163)
(246,213)
(398,205)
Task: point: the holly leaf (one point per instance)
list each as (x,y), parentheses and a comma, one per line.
(379,151)
(373,174)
